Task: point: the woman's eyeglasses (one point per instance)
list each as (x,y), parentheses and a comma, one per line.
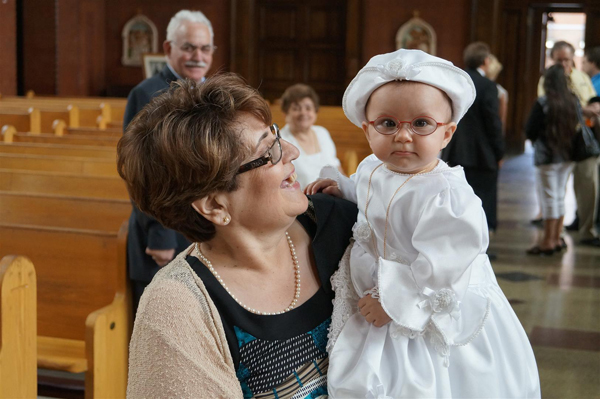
(273,153)
(421,125)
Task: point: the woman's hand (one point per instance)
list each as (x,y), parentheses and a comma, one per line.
(371,309)
(326,186)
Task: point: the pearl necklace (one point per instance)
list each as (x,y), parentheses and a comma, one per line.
(249,309)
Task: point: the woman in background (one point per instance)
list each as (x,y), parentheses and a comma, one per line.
(551,127)
(300,104)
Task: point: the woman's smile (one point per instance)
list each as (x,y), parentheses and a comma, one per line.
(290,182)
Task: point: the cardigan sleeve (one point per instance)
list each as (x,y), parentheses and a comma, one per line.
(177,350)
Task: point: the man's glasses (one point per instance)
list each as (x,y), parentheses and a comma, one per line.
(273,153)
(421,125)
(206,49)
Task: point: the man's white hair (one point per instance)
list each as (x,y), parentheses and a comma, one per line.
(187,16)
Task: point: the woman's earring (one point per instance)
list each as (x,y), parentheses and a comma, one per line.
(226,220)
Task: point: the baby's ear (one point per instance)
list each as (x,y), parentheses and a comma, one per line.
(450,128)
(365,128)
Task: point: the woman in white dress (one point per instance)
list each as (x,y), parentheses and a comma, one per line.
(432,321)
(300,104)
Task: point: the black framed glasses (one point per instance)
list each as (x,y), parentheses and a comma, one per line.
(273,154)
(421,125)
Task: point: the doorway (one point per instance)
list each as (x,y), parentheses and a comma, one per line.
(565,26)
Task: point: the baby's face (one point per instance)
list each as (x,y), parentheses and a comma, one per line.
(406,151)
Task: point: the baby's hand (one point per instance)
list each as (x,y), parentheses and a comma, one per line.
(326,186)
(373,312)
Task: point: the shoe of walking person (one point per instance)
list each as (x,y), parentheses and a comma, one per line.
(538,251)
(573,226)
(590,242)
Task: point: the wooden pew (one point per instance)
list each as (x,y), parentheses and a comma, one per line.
(48,113)
(25,120)
(18,328)
(83,166)
(58,150)
(62,211)
(84,310)
(67,184)
(94,132)
(72,139)
(112,109)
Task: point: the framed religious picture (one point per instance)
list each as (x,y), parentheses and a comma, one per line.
(153,64)
(416,34)
(139,37)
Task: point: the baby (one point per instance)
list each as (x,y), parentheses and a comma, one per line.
(432,320)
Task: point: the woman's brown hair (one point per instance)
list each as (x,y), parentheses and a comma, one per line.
(561,115)
(184,145)
(296,93)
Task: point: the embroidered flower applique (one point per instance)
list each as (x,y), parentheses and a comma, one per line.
(443,300)
(362,231)
(397,70)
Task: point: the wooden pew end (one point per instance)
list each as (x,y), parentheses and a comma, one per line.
(18,328)
(59,126)
(8,133)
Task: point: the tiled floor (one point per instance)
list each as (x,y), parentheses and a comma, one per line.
(557,298)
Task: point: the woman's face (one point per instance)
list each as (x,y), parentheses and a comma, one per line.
(301,115)
(268,195)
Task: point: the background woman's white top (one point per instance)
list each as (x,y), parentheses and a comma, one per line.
(308,166)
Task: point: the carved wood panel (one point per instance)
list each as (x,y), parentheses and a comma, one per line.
(277,43)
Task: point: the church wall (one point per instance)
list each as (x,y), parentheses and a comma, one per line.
(39,47)
(383,18)
(121,79)
(8,47)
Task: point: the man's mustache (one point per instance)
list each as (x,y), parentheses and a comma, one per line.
(199,64)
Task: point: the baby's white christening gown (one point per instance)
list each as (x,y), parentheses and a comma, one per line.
(453,332)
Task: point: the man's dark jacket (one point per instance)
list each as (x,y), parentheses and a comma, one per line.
(145,231)
(478,141)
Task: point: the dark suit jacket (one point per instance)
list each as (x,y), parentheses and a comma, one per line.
(478,141)
(144,230)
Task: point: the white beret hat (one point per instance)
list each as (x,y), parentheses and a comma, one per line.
(413,65)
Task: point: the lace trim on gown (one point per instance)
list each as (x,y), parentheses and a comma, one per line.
(345,301)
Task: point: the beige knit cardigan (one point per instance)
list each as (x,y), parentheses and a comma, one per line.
(178,348)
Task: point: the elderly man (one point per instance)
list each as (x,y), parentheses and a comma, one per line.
(585,173)
(189,50)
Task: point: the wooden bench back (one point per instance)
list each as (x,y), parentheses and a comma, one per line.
(71,139)
(28,181)
(18,328)
(83,166)
(60,211)
(59,150)
(21,120)
(95,132)
(78,272)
